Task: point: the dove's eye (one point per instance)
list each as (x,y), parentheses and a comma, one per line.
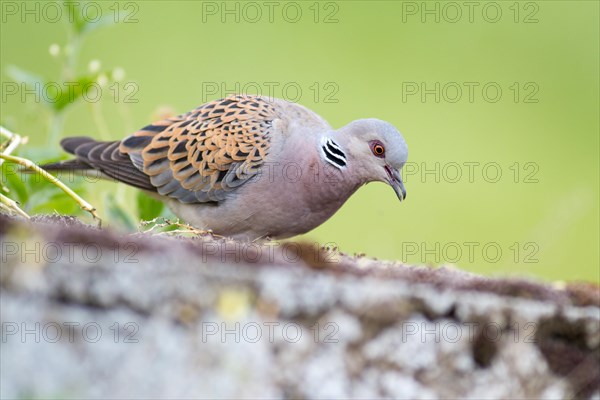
(377,148)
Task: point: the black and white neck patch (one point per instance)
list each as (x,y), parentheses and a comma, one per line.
(333,154)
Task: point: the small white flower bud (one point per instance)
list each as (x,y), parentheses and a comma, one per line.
(102,80)
(54,50)
(94,66)
(118,74)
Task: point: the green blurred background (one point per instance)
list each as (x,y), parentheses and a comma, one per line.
(360,59)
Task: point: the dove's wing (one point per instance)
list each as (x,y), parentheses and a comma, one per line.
(202,155)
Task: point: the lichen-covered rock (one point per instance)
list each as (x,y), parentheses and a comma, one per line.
(89,313)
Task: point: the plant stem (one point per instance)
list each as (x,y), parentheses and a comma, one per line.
(30,165)
(12,205)
(13,141)
(68,73)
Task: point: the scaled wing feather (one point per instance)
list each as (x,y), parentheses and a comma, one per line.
(202,155)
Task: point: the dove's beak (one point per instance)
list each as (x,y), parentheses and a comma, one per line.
(395,181)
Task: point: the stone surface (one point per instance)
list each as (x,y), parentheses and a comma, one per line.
(89,313)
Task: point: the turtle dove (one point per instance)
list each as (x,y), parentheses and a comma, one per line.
(247,166)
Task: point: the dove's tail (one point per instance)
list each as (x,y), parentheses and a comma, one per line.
(77,165)
(93,157)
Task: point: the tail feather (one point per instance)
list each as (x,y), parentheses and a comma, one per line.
(103,157)
(69,165)
(71,144)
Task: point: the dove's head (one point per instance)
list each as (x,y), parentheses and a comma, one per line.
(376,151)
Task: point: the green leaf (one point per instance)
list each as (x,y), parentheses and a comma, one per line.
(31,80)
(70,94)
(57,96)
(46,197)
(31,190)
(147,207)
(75,16)
(34,193)
(21,75)
(60,203)
(14,181)
(83,25)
